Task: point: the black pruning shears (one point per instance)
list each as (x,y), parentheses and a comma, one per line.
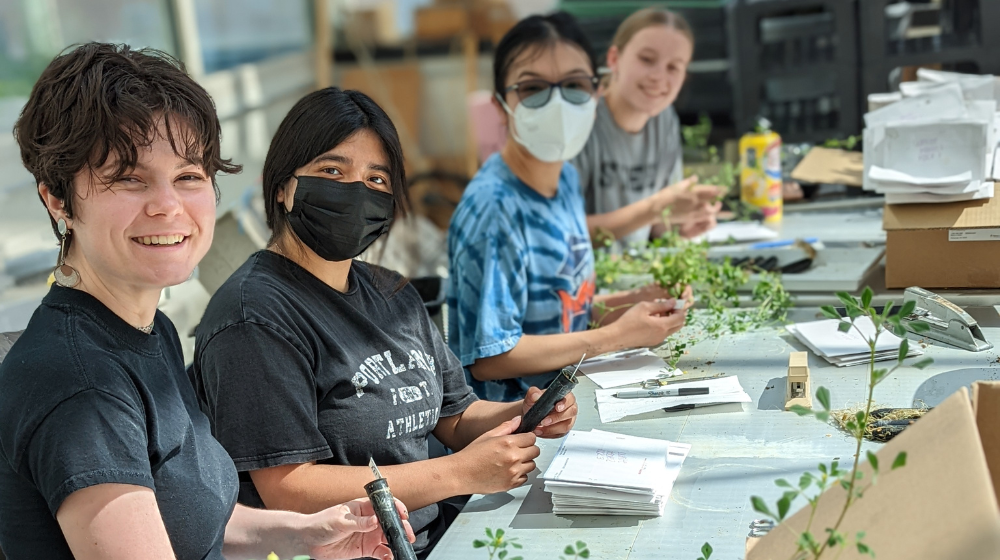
(561,386)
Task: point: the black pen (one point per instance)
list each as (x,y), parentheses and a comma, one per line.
(661,392)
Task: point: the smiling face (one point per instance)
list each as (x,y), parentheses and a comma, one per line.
(359,158)
(147,229)
(649,71)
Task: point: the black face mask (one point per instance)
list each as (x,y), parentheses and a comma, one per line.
(339,220)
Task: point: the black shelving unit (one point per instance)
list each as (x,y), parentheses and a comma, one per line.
(795,62)
(968,40)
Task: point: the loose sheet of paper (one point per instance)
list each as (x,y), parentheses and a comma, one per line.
(737,231)
(721,391)
(626,368)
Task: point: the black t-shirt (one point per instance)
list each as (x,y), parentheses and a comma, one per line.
(290,371)
(87,399)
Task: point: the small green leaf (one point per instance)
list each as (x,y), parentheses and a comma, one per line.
(907,309)
(887,309)
(782,483)
(919,326)
(502,555)
(801,410)
(569,550)
(878,375)
(580,545)
(783,505)
(830,312)
(866,297)
(822,468)
(584,553)
(823,416)
(823,396)
(706,550)
(517,558)
(760,506)
(899,331)
(835,468)
(843,326)
(478,544)
(923,363)
(847,299)
(805,481)
(515,545)
(873,461)
(489,532)
(845,484)
(499,534)
(900,460)
(864,549)
(904,349)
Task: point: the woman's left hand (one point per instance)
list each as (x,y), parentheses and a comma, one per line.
(350,530)
(560,421)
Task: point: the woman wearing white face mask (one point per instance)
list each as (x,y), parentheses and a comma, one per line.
(522,289)
(631,168)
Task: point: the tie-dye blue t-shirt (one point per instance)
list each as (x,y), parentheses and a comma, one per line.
(520,264)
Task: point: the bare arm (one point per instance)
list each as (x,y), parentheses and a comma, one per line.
(458,431)
(343,531)
(112,522)
(646,323)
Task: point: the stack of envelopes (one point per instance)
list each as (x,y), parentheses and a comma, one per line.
(602,473)
(848,348)
(935,142)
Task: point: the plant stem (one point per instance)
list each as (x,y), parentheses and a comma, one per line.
(860,437)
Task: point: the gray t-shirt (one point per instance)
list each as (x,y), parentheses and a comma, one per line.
(618,168)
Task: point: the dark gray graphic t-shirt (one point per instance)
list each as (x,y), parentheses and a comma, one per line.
(289,371)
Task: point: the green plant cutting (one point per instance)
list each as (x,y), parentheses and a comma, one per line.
(675,263)
(811,543)
(497,542)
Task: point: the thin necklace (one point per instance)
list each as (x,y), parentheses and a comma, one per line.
(147,329)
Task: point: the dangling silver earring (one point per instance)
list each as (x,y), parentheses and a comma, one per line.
(66,275)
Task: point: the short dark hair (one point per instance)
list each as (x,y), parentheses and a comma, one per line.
(316,124)
(537,31)
(101,99)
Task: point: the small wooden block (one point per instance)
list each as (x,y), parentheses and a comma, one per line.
(798,390)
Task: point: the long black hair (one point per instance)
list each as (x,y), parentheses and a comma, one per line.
(316,124)
(537,31)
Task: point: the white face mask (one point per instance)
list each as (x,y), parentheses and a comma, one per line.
(556,131)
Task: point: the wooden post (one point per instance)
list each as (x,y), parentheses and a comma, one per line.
(470,51)
(324,44)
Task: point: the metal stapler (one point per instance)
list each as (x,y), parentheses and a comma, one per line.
(948,322)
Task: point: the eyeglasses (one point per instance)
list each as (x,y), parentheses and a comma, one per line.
(536,93)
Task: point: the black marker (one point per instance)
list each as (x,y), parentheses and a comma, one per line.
(556,391)
(388,516)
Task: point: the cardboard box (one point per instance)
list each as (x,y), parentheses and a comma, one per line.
(942,505)
(934,246)
(835,167)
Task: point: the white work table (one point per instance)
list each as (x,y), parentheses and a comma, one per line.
(736,451)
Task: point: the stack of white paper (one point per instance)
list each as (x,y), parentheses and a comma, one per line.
(626,368)
(848,348)
(601,473)
(722,390)
(936,143)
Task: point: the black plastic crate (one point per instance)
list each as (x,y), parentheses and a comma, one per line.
(795,62)
(961,35)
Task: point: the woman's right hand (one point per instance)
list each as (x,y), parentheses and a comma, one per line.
(648,323)
(499,459)
(687,201)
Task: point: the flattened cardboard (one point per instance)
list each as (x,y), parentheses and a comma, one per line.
(825,165)
(986,403)
(919,252)
(940,506)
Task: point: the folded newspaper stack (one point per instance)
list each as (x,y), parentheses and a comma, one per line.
(934,141)
(602,473)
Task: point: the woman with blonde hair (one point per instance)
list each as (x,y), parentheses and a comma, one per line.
(630,169)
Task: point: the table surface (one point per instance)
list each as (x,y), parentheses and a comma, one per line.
(736,451)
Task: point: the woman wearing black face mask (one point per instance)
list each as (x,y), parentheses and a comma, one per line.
(309,363)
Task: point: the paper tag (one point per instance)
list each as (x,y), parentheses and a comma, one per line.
(978,234)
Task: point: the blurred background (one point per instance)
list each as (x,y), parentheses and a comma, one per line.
(805,65)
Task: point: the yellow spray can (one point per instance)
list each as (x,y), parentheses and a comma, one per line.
(760,176)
